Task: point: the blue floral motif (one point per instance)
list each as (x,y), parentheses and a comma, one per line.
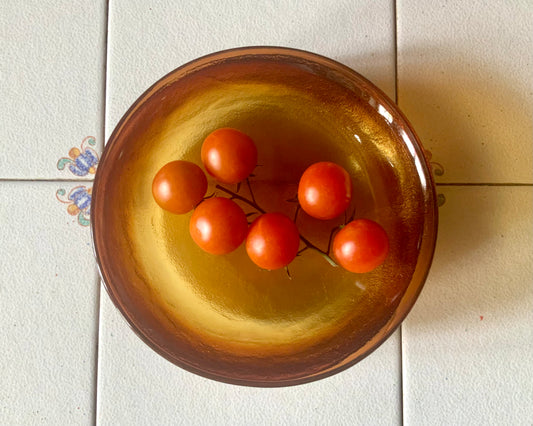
(79,202)
(84,163)
(81,161)
(81,197)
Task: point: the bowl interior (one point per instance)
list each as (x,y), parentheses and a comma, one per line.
(221,316)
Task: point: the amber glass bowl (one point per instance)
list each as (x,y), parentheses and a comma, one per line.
(221,316)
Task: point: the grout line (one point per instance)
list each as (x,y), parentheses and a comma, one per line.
(395,53)
(77,181)
(97,345)
(402,358)
(400,330)
(98,283)
(47,180)
(483,184)
(395,31)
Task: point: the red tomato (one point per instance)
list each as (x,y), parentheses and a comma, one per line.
(361,246)
(273,241)
(229,155)
(325,190)
(179,186)
(218,225)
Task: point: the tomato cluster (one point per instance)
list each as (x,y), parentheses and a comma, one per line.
(219,225)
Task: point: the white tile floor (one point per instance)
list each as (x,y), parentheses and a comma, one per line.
(463,72)
(465,80)
(128,368)
(468,343)
(48,308)
(52,83)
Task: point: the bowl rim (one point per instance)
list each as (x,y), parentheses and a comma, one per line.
(367,86)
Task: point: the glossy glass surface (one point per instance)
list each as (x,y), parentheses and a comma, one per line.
(222,316)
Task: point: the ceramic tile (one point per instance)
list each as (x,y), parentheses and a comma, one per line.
(51,85)
(138,387)
(148,39)
(48,308)
(465,80)
(468,343)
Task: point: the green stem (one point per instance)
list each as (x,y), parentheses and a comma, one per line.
(324,254)
(250,189)
(240,197)
(253,204)
(331,234)
(296,212)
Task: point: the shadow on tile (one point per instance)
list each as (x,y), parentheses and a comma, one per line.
(482,264)
(378,67)
(469,115)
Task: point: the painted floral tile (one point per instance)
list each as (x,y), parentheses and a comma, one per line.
(52,84)
(82,161)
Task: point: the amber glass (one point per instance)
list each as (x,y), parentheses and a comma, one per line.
(221,316)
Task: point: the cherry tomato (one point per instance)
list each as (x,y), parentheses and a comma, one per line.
(229,155)
(179,186)
(361,246)
(325,190)
(273,241)
(218,225)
